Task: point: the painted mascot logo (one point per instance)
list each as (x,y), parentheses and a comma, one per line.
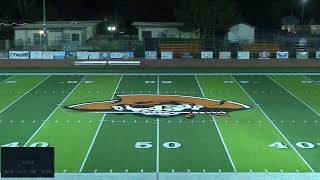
(161,106)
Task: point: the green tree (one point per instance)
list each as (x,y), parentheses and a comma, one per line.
(208,16)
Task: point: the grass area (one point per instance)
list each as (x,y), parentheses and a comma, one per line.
(279,133)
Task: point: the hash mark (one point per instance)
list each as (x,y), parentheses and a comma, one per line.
(127,170)
(96,170)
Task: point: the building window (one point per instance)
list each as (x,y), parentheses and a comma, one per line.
(75,37)
(146,34)
(37,39)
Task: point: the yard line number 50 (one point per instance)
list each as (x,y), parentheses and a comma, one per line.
(148,145)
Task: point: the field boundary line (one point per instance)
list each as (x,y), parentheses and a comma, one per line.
(7,79)
(24,94)
(58,106)
(274,125)
(219,132)
(164,74)
(292,94)
(97,132)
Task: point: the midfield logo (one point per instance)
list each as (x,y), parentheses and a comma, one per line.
(161,105)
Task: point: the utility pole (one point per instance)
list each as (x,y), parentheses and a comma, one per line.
(44,27)
(302,11)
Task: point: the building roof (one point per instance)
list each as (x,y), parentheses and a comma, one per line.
(157,24)
(243,24)
(59,24)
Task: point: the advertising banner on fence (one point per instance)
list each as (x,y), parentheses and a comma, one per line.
(225,55)
(82,55)
(60,55)
(206,55)
(36,55)
(47,55)
(94,55)
(150,54)
(105,55)
(18,54)
(116,55)
(127,55)
(318,54)
(302,55)
(71,55)
(4,55)
(166,55)
(243,55)
(282,55)
(264,55)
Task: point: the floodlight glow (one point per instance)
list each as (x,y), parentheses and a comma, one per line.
(112,28)
(41,32)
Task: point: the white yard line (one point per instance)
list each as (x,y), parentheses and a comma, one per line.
(34,134)
(98,130)
(273,124)
(318,83)
(158,134)
(6,79)
(217,127)
(23,95)
(294,95)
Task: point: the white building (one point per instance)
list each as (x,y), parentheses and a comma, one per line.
(241,33)
(162,30)
(76,32)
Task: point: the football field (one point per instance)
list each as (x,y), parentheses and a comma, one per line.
(277,131)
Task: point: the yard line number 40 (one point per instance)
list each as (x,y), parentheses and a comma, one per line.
(302,145)
(17,144)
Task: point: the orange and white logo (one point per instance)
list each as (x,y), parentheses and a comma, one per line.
(161,105)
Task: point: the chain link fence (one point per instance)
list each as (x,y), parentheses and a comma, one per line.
(266,42)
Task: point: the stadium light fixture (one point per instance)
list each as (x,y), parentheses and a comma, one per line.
(41,32)
(112,28)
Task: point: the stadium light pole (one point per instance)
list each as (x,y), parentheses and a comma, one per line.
(44,26)
(302,10)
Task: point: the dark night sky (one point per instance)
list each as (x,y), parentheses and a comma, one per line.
(257,12)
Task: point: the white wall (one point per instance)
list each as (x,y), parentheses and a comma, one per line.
(27,36)
(241,33)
